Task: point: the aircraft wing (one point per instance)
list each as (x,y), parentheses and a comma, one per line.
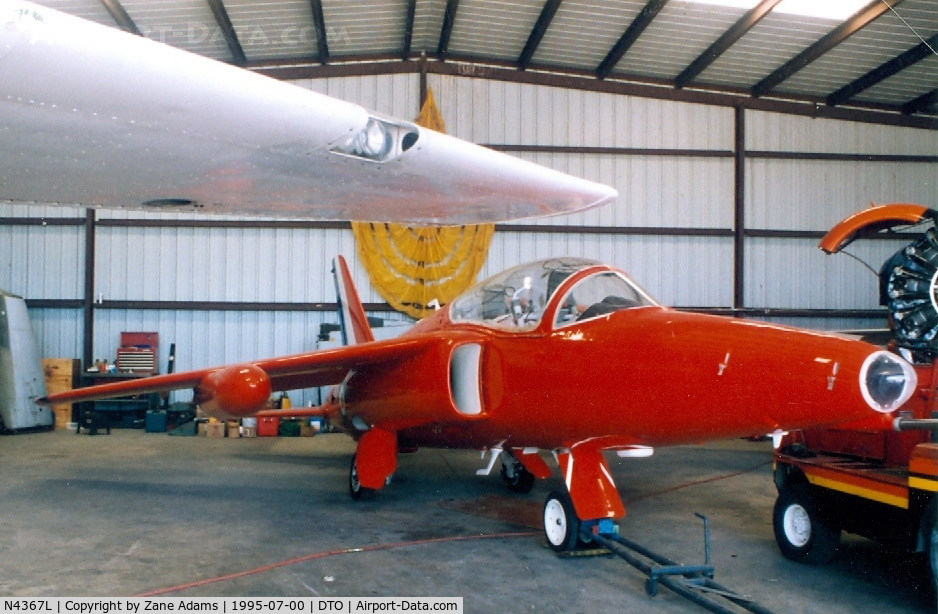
(244,388)
(93,116)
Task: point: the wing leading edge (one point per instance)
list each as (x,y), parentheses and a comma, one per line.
(93,116)
(243,389)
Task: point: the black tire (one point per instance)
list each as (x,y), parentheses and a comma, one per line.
(802,533)
(355,489)
(517,478)
(561,524)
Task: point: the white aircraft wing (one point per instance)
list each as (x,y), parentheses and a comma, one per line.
(94,116)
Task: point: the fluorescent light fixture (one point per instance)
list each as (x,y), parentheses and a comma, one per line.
(837,10)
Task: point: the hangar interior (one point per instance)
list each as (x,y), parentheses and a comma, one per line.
(727,179)
(208,284)
(714,187)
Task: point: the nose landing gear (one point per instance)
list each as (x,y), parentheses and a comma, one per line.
(516,477)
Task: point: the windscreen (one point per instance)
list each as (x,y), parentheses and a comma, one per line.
(516,298)
(598,295)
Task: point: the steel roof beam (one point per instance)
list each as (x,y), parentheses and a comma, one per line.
(449,18)
(833,38)
(409,29)
(883,72)
(537,32)
(119,14)
(631,35)
(922,103)
(726,40)
(319,23)
(227,30)
(563,77)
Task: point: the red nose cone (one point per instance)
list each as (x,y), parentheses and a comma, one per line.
(236,391)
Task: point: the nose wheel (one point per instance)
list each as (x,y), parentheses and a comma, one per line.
(516,477)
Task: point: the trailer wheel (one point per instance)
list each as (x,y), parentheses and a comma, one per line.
(561,524)
(800,529)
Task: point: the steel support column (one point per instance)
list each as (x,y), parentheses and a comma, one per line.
(739,208)
(87,302)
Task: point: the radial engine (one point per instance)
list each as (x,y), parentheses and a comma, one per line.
(908,280)
(908,289)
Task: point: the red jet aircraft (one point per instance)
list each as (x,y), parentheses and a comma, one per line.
(567,356)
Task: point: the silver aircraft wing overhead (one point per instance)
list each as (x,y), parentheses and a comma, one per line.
(93,116)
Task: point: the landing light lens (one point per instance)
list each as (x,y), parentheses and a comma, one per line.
(374,140)
(379,141)
(886,381)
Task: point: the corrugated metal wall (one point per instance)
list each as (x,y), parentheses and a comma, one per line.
(46,262)
(217,264)
(814,195)
(656,191)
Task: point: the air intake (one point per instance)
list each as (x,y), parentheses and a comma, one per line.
(464,367)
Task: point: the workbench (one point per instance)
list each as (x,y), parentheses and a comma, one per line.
(123,412)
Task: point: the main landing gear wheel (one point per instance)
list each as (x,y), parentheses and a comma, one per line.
(561,524)
(355,487)
(800,530)
(516,477)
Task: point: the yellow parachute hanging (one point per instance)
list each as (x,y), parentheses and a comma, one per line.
(411,266)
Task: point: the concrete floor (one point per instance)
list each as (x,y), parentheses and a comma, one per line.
(131,513)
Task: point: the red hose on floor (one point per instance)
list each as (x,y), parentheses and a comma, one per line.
(421,542)
(717,478)
(322,555)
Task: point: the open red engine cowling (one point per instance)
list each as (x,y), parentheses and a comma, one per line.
(233,392)
(908,280)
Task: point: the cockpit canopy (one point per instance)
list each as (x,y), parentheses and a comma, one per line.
(517,299)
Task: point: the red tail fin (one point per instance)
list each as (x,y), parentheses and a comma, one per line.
(352,318)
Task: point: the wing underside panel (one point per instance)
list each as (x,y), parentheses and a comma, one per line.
(93,116)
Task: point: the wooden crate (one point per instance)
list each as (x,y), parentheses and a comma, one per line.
(61,374)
